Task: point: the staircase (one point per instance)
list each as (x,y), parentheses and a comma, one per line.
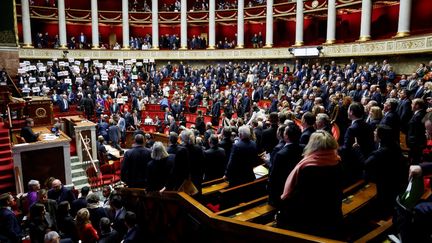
(7,181)
(79,177)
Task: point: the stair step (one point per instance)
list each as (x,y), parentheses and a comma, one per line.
(78,173)
(6,177)
(7,160)
(6,153)
(7,186)
(5,145)
(79,180)
(5,140)
(6,167)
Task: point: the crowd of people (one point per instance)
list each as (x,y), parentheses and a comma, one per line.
(369,103)
(52,213)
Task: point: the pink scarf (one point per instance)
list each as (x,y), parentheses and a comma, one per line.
(317,158)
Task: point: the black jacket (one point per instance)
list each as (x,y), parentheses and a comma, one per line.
(133,170)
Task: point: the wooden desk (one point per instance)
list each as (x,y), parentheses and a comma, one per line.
(50,156)
(75,125)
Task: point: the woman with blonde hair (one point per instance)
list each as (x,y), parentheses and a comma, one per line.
(86,232)
(375,116)
(312,196)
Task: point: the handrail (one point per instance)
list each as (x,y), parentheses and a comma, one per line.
(13,83)
(88,152)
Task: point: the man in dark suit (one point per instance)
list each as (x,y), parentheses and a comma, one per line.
(118,219)
(243,158)
(416,138)
(59,193)
(308,122)
(215,112)
(269,138)
(63,103)
(226,143)
(358,142)
(80,202)
(404,110)
(114,135)
(10,229)
(215,159)
(27,132)
(284,162)
(135,162)
(391,118)
(115,107)
(133,231)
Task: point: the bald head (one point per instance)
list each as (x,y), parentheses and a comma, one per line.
(56,184)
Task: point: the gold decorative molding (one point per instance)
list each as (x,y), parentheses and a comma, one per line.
(298,43)
(364,38)
(28,46)
(329,42)
(268,45)
(408,45)
(402,34)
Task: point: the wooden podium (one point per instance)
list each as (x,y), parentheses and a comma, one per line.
(49,156)
(76,125)
(41,110)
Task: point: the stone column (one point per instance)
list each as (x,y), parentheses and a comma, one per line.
(240,24)
(62,24)
(125,20)
(365,24)
(212,25)
(299,23)
(331,22)
(183,25)
(95,24)
(155,25)
(27,36)
(269,24)
(404,18)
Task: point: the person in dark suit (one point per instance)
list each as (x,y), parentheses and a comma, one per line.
(215,159)
(159,168)
(107,235)
(63,104)
(358,142)
(173,127)
(215,112)
(27,132)
(199,123)
(96,210)
(269,137)
(284,162)
(88,106)
(114,134)
(416,138)
(173,139)
(133,231)
(391,118)
(118,219)
(404,110)
(10,229)
(243,158)
(386,167)
(133,169)
(226,143)
(80,202)
(59,193)
(308,122)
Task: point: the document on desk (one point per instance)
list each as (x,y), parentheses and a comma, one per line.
(49,137)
